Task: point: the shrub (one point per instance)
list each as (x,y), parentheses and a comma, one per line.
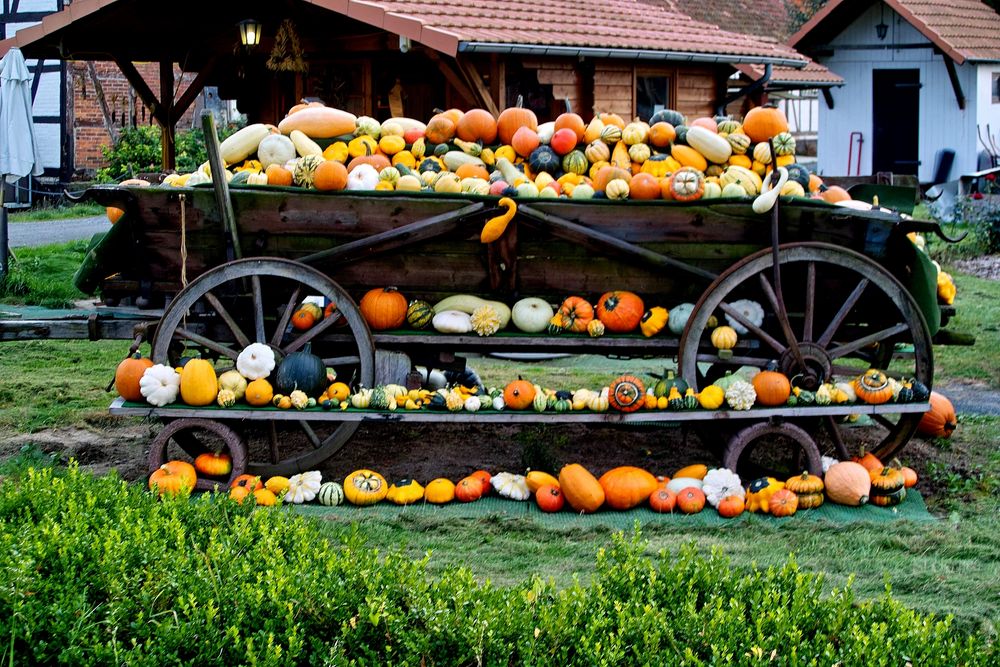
(99,572)
(138,150)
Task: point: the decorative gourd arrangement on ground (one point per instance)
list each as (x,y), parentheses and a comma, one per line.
(665,157)
(853,483)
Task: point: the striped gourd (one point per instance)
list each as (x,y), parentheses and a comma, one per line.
(419,314)
(330,494)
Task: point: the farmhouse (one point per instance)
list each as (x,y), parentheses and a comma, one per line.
(383,58)
(922,83)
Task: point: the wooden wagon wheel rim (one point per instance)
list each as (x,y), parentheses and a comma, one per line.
(251,271)
(182,432)
(818,339)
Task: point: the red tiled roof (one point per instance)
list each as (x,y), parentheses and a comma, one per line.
(623,28)
(963,29)
(619,25)
(761,17)
(812,74)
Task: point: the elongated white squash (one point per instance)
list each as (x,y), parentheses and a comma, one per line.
(468,303)
(243,143)
(406,123)
(319,122)
(455,159)
(304,145)
(715,148)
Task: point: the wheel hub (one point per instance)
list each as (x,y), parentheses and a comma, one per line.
(816,367)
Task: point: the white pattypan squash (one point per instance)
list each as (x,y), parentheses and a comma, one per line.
(721,483)
(159,385)
(511,486)
(256,361)
(304,487)
(741,395)
(749,309)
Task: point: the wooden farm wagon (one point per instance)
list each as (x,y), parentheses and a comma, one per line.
(209,270)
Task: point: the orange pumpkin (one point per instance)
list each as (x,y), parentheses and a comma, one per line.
(383,308)
(869,461)
(377,160)
(549,498)
(731,507)
(772,387)
(303,319)
(265,498)
(511,119)
(214,464)
(644,186)
(477,125)
(762,123)
(127,377)
(114,213)
(278,175)
(662,134)
(662,499)
(620,311)
(612,119)
(576,314)
(250,482)
(627,394)
(626,487)
(691,500)
(707,123)
(909,477)
(562,141)
(571,121)
(783,503)
(607,174)
(940,421)
(469,489)
(173,478)
(330,175)
(472,170)
(834,194)
(239,493)
(519,394)
(580,488)
(484,477)
(848,483)
(524,141)
(441,129)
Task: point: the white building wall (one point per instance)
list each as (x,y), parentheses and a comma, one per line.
(48,100)
(942,124)
(987,111)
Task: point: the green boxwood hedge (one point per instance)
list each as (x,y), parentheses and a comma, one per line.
(96,571)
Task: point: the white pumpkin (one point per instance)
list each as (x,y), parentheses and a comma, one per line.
(362,177)
(275,149)
(721,483)
(511,486)
(452,322)
(159,385)
(304,487)
(472,404)
(677,484)
(532,315)
(751,310)
(256,361)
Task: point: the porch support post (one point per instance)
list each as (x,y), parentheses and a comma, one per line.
(167,140)
(956,85)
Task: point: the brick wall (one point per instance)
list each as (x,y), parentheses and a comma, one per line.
(88,125)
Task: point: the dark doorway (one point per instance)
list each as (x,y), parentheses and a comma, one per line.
(896,119)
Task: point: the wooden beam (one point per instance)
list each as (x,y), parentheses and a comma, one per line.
(451,75)
(168,146)
(478,86)
(956,84)
(828,97)
(498,81)
(195,87)
(141,87)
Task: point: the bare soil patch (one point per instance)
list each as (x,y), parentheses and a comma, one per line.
(984,266)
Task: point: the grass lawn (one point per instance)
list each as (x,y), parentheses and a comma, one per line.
(57,213)
(949,566)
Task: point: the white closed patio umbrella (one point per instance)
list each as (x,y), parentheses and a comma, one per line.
(18,150)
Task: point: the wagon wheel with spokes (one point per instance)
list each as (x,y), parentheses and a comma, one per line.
(842,313)
(252,300)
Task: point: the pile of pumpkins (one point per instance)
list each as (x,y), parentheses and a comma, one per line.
(853,483)
(666,157)
(299,380)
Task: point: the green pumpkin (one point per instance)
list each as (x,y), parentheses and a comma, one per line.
(675,118)
(690,400)
(240,177)
(441,150)
(905,395)
(729,126)
(682,133)
(740,143)
(541,402)
(676,403)
(301,370)
(784,144)
(562,405)
(544,159)
(429,164)
(419,314)
(920,391)
(792,401)
(668,380)
(887,499)
(806,397)
(575,162)
(799,174)
(729,378)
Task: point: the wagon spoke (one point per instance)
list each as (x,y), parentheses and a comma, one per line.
(782,316)
(841,315)
(810,310)
(753,328)
(286,316)
(314,331)
(311,434)
(207,342)
(241,337)
(884,421)
(853,346)
(272,433)
(258,308)
(838,441)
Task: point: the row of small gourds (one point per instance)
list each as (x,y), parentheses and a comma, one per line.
(513,155)
(853,483)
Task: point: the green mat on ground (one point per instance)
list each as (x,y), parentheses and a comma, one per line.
(911,509)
